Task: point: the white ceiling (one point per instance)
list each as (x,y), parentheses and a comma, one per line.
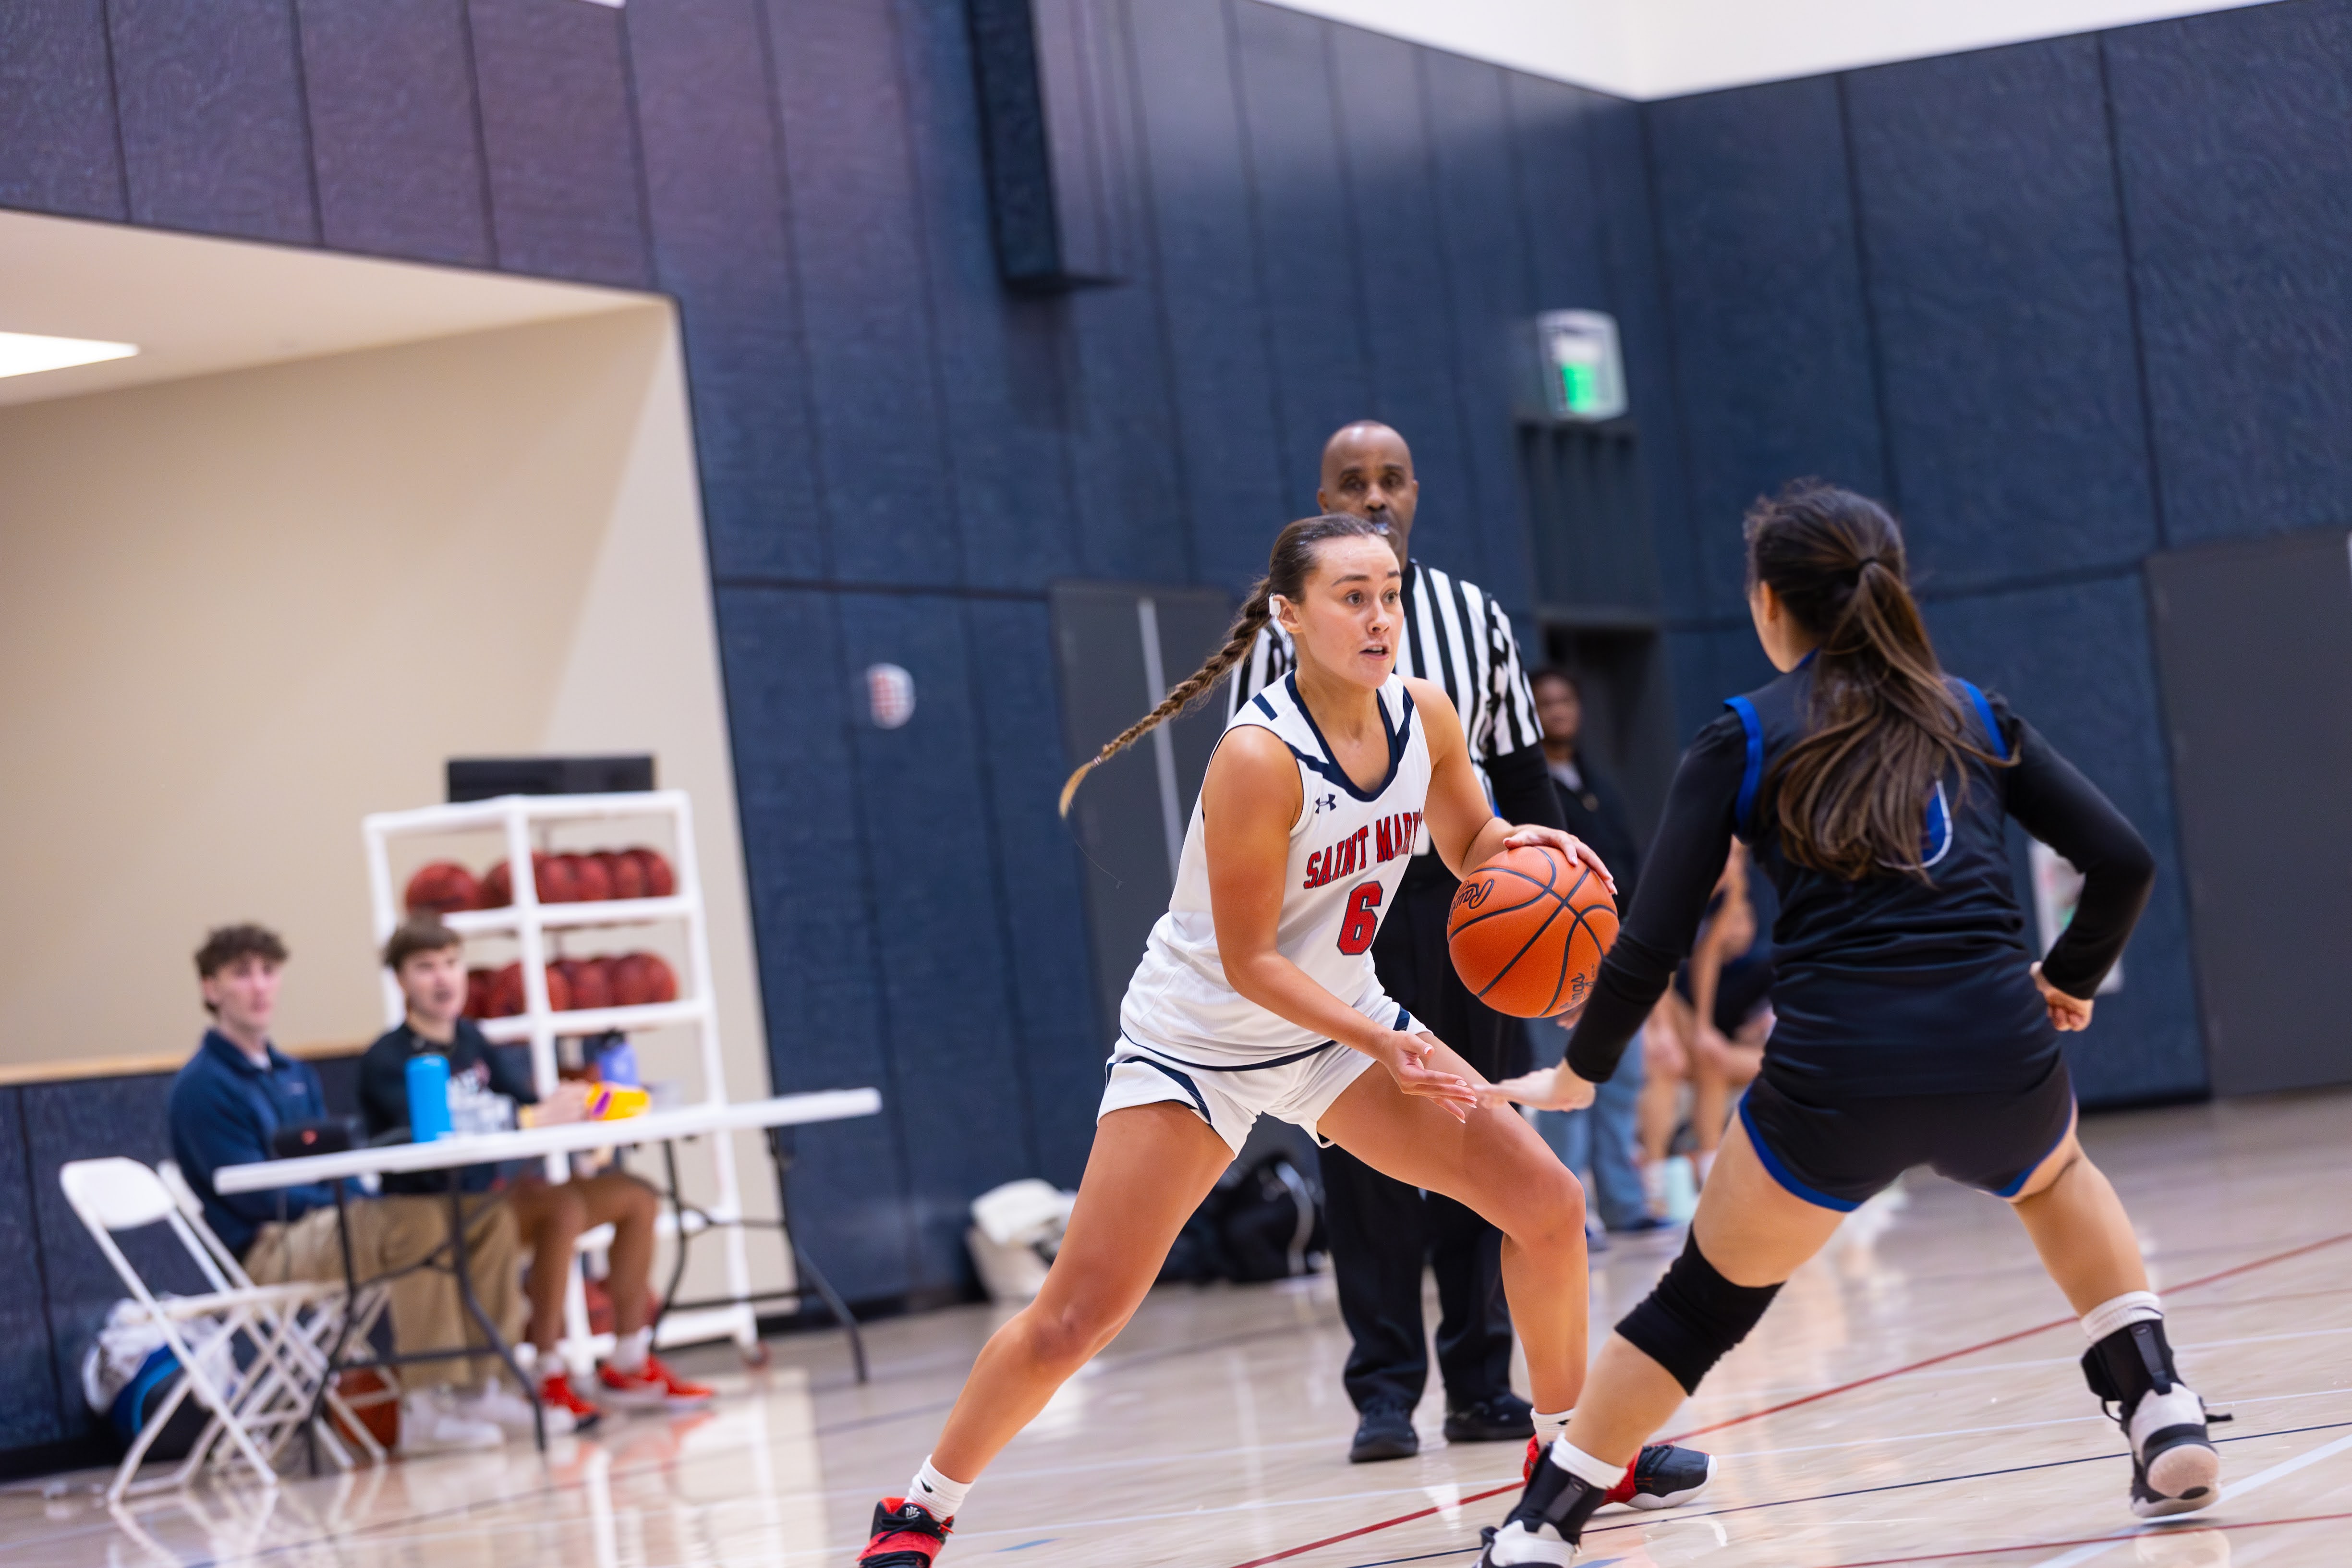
(1660,49)
(196,305)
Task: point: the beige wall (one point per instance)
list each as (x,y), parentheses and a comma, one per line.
(239,611)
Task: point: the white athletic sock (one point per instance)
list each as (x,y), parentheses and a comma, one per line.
(2121,1312)
(942,1498)
(1584,1466)
(526,1356)
(1550,1424)
(629,1351)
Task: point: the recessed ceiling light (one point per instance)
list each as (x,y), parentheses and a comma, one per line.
(22,353)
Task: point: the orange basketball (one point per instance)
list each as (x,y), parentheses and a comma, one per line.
(1527,929)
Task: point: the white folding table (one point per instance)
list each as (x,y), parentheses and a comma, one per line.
(453,1154)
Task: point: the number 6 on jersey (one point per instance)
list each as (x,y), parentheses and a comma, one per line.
(1363,918)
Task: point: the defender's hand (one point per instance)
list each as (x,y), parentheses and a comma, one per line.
(1546,1089)
(2067,1014)
(1577,850)
(1407,1060)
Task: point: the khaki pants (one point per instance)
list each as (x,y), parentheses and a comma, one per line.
(397,1233)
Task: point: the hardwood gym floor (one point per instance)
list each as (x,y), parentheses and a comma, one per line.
(1912,1398)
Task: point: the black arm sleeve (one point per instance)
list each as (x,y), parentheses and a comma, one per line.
(1524,796)
(2064,810)
(1686,861)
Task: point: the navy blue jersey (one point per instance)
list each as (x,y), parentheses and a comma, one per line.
(1887,985)
(1938,968)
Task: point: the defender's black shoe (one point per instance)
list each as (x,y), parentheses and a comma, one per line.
(1664,1477)
(1661,1476)
(2174,1468)
(1385,1432)
(1504,1419)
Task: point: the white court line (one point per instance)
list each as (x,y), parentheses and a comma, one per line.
(2229,1494)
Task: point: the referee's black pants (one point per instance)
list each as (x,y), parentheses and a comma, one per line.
(1381,1232)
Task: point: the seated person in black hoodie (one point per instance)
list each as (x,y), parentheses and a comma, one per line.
(428,961)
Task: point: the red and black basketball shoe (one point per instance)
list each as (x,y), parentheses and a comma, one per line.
(1661,1476)
(905,1535)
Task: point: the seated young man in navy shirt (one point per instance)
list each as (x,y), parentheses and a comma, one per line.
(428,961)
(233,1095)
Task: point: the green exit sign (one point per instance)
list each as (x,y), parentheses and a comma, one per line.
(1586,373)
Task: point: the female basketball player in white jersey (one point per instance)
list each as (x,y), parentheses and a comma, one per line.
(1256,996)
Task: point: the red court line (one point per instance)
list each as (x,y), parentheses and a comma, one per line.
(2094,1540)
(2211,1279)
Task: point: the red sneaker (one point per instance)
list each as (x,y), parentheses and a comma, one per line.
(652,1386)
(555,1392)
(905,1535)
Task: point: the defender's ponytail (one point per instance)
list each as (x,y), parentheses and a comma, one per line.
(1286,567)
(1851,797)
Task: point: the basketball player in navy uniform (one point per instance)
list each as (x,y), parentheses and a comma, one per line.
(1913,1026)
(1382,1232)
(1256,996)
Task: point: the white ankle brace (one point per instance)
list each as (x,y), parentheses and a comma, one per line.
(1593,1472)
(2121,1312)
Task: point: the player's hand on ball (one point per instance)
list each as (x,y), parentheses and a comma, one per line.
(2067,1014)
(1577,850)
(1408,1063)
(1546,1089)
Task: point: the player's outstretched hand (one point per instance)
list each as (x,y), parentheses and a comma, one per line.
(2067,1014)
(1546,1089)
(1409,1065)
(1575,848)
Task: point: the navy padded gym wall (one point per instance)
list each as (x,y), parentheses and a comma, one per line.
(897,454)
(2064,304)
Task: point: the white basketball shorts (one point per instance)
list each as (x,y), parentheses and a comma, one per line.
(1298,1088)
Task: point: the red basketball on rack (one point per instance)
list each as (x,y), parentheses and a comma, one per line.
(502,997)
(559,877)
(660,882)
(625,871)
(498,887)
(640,978)
(442,888)
(591,980)
(591,879)
(478,994)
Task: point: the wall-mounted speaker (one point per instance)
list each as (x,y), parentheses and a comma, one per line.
(1056,104)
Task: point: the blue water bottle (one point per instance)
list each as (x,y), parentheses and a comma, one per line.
(428,1098)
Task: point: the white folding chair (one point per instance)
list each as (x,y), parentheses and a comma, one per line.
(312,1332)
(239,1369)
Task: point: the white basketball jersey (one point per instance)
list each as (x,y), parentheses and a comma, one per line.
(1349,849)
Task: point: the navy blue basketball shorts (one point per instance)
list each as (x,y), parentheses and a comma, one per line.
(1839,1152)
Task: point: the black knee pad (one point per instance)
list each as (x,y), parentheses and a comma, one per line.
(1693,1316)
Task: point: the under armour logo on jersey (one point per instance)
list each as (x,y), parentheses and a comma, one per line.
(1324,803)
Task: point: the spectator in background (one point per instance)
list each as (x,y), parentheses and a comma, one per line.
(1716,1015)
(1601,1139)
(427,959)
(228,1102)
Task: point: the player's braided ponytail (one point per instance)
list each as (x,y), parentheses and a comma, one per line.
(1885,728)
(1286,575)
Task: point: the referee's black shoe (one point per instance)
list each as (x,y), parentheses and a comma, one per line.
(1503,1418)
(1385,1432)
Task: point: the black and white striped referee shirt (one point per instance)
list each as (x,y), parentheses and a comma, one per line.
(1459,638)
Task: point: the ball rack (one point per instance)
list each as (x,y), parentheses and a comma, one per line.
(530,924)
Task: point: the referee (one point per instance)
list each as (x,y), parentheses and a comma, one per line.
(1382,1231)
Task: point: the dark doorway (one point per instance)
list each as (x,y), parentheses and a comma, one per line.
(1118,648)
(2255,643)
